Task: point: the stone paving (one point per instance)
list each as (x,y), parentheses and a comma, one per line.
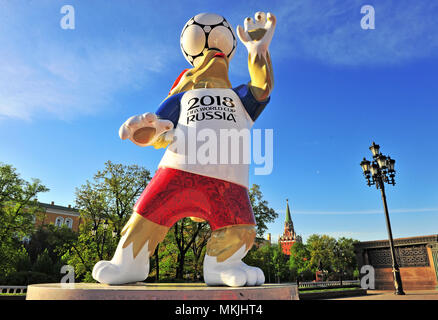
(389,295)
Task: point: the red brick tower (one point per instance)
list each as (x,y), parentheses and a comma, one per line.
(289,237)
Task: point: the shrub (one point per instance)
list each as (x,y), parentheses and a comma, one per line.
(24,278)
(22,262)
(44,264)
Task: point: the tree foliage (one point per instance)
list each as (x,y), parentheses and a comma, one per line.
(112,194)
(321,248)
(344,262)
(262,212)
(185,233)
(334,257)
(300,262)
(105,205)
(18,207)
(260,256)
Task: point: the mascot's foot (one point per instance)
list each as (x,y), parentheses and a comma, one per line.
(110,273)
(124,267)
(232,272)
(131,260)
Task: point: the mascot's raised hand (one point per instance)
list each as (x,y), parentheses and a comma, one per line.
(256,37)
(257,34)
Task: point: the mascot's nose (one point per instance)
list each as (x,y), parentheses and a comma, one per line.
(219,54)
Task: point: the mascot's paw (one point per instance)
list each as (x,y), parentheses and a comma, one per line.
(257,35)
(110,273)
(124,267)
(234,274)
(144,129)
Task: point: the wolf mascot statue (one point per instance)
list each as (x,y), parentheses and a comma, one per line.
(216,193)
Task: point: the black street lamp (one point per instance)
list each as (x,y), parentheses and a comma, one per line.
(378,172)
(341,259)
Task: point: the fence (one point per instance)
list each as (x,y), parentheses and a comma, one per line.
(13,289)
(328,284)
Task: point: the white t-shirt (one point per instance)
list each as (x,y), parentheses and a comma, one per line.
(212,133)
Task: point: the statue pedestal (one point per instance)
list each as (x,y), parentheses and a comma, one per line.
(158,291)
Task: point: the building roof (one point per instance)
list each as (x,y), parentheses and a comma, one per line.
(51,207)
(398,242)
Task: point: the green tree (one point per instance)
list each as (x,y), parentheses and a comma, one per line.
(198,249)
(261,256)
(299,262)
(18,207)
(56,240)
(105,204)
(23,262)
(333,256)
(112,194)
(44,264)
(336,257)
(262,212)
(321,248)
(280,264)
(344,258)
(185,232)
(167,257)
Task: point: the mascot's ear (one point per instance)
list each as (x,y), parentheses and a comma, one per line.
(177,80)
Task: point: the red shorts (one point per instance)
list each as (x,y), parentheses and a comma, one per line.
(174,194)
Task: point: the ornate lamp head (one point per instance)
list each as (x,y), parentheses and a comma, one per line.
(381,160)
(375,148)
(365,164)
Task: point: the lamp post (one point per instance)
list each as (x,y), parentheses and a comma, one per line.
(341,256)
(378,172)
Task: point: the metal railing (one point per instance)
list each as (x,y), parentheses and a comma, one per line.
(328,284)
(13,289)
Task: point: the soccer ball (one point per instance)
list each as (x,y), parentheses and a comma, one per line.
(207,31)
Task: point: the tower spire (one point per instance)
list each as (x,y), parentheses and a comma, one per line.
(288,224)
(288,217)
(289,237)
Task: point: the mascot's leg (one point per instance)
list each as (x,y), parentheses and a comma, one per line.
(130,263)
(223,261)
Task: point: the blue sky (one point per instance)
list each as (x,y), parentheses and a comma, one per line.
(65,93)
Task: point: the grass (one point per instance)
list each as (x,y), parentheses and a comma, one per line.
(12,294)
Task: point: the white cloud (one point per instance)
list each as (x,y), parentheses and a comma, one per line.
(66,83)
(330,32)
(43,73)
(47,71)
